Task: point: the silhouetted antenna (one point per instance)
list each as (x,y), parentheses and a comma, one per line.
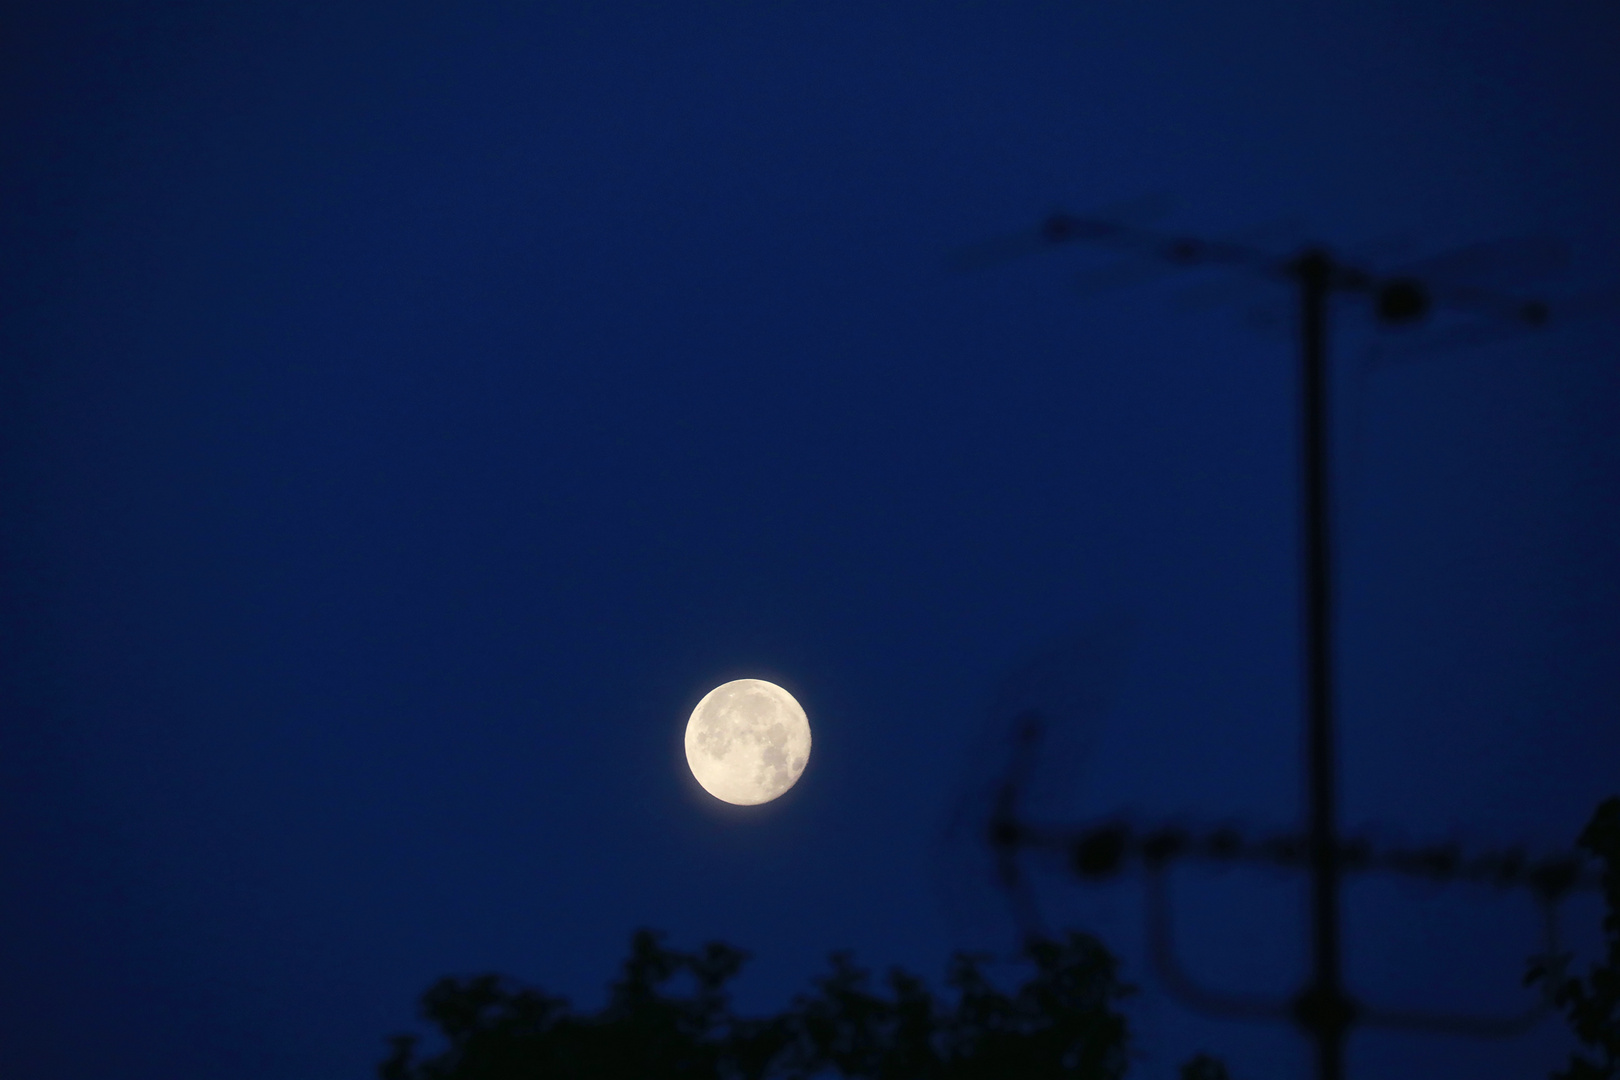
(1112,847)
(1040,725)
(1408,296)
(1126,216)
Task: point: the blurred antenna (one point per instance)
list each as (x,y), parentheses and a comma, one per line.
(1460,287)
(1555,311)
(1126,216)
(1458,277)
(1039,729)
(1148,262)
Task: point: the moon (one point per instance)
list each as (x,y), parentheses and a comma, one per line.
(747,742)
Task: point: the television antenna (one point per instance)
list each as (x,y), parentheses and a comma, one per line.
(1323,1008)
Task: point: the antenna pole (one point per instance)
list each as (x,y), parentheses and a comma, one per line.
(1322,1009)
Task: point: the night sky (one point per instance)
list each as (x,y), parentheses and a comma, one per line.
(410,411)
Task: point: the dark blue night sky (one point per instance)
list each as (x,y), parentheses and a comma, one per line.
(409,411)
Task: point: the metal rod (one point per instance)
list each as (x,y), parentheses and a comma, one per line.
(1162,953)
(1323,1009)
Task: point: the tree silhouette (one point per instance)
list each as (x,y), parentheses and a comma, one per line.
(499,1031)
(669,1016)
(1592,1005)
(1204,1067)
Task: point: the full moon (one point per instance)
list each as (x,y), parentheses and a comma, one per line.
(747,741)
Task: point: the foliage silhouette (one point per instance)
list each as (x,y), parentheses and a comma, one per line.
(1204,1067)
(669,1016)
(1593,1005)
(498,1031)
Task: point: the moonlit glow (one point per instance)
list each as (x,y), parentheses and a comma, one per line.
(747,741)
